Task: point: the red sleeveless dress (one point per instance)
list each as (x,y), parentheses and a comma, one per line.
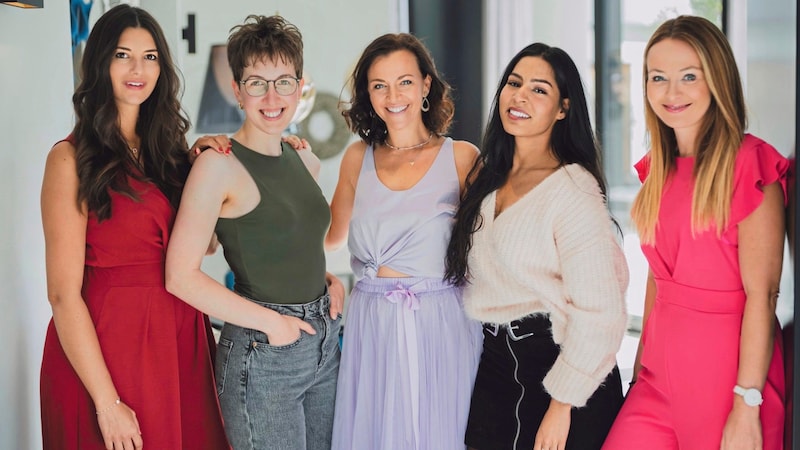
(158,349)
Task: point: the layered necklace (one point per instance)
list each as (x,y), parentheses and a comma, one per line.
(410,147)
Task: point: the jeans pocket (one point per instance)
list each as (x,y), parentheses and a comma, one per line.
(224,350)
(262,340)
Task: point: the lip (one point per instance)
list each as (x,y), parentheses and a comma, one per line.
(676,108)
(517,114)
(135,84)
(271,114)
(396,109)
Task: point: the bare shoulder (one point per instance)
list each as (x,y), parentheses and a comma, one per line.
(214,162)
(354,156)
(465,154)
(62,151)
(311,161)
(61,162)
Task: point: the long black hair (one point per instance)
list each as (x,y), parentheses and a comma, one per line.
(572,141)
(102,154)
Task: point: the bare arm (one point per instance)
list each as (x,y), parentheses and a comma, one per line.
(344,196)
(761,239)
(649,300)
(64,224)
(207,189)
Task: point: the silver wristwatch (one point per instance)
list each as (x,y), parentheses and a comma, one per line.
(751,396)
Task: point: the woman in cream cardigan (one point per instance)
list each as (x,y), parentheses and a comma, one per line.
(535,248)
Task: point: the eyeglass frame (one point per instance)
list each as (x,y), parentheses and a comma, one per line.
(275,86)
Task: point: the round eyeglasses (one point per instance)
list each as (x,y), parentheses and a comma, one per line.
(257,87)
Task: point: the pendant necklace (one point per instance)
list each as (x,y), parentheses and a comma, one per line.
(410,147)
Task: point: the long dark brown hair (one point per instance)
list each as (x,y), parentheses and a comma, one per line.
(102,156)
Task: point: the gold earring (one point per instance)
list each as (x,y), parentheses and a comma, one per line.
(241,106)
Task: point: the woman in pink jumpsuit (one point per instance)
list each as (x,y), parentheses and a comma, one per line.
(711,219)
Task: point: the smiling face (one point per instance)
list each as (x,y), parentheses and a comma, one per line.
(270,113)
(396,88)
(134,68)
(530,102)
(677,90)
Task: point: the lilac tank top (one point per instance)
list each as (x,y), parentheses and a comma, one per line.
(406,230)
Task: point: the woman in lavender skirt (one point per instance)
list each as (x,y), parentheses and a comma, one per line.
(410,354)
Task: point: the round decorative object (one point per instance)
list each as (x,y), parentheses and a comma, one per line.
(307,97)
(325,128)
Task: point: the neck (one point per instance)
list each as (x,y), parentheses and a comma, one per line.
(687,143)
(534,158)
(266,144)
(409,140)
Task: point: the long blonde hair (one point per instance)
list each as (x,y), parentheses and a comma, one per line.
(720,135)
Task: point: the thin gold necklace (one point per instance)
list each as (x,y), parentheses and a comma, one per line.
(410,147)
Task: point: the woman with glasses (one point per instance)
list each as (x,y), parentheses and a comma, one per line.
(278,355)
(409,352)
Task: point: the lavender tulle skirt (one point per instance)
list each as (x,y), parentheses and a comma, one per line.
(409,358)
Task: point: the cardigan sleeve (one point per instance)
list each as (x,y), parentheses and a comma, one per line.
(595,277)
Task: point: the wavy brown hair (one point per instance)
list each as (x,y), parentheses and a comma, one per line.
(720,135)
(102,156)
(361,117)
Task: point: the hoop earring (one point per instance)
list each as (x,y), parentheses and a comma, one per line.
(426,105)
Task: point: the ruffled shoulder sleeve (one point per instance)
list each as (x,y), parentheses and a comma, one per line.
(758,164)
(643,167)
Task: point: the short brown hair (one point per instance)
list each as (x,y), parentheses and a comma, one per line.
(264,38)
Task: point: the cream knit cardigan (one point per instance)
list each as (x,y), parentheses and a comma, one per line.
(555,251)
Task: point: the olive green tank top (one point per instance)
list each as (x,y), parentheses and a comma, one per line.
(276,250)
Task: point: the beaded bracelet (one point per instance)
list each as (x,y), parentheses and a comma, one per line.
(108,408)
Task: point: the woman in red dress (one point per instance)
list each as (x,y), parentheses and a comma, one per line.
(125,363)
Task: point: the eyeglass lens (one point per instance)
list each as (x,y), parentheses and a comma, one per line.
(256,87)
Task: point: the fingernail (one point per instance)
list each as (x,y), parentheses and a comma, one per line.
(196,151)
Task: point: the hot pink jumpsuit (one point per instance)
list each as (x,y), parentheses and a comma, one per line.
(684,391)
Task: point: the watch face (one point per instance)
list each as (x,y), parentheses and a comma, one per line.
(752,397)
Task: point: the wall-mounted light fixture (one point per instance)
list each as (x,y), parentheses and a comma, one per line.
(24,3)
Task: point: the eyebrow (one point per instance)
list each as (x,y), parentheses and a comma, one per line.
(381,79)
(679,70)
(535,80)
(146,51)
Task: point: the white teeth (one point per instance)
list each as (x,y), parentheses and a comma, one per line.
(397,109)
(136,84)
(271,115)
(519,114)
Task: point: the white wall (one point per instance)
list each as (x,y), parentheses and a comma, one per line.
(35,112)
